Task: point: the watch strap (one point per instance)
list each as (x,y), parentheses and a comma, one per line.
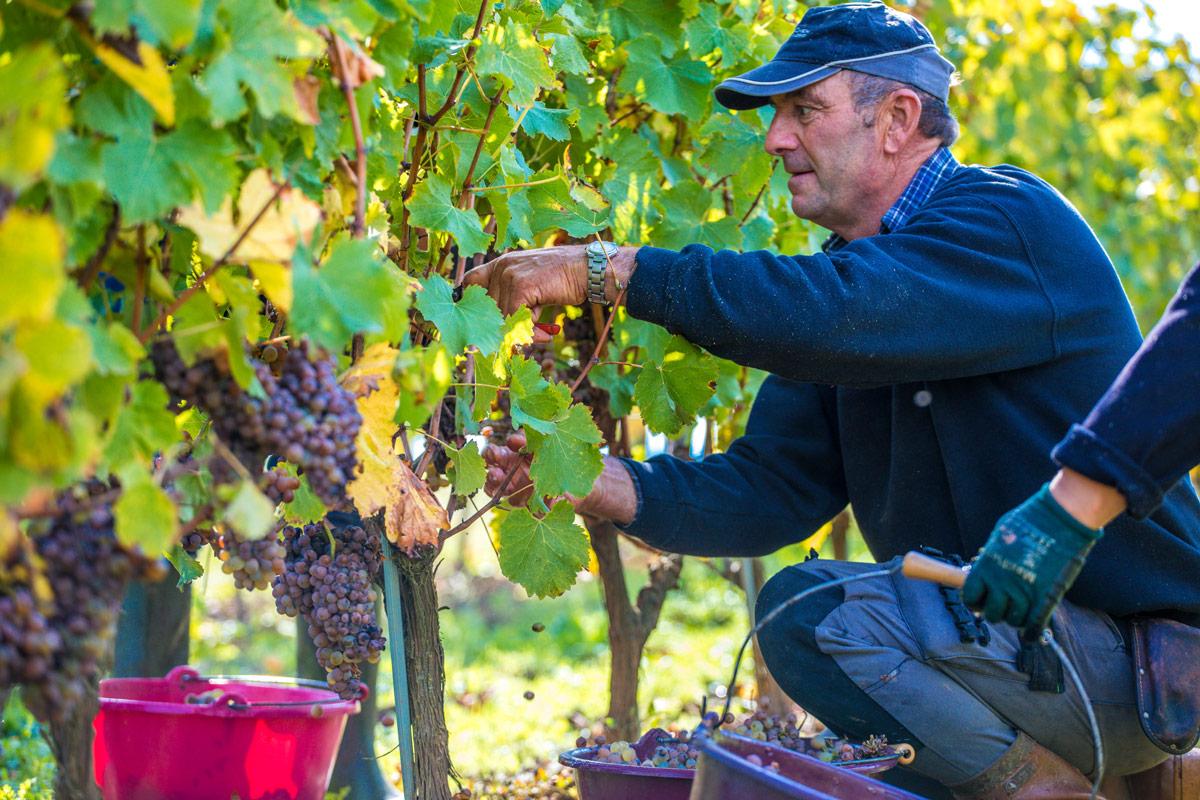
(598,254)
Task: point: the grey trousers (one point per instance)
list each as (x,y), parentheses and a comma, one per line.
(895,640)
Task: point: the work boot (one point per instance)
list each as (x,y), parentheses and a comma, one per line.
(1177,778)
(1027,771)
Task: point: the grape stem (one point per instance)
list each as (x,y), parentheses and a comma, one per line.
(360,149)
(186,294)
(488,506)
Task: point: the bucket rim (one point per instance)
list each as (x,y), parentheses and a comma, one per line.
(889,760)
(234,705)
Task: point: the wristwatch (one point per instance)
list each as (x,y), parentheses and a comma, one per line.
(598,255)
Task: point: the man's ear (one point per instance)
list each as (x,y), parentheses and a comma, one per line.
(900,117)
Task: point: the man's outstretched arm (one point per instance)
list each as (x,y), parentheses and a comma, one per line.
(775,485)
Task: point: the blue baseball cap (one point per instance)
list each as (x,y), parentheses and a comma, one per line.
(864,37)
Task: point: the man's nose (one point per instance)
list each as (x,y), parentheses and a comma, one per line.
(780,139)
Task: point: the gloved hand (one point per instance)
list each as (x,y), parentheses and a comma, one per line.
(1032,557)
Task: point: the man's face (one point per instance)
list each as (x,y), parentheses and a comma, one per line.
(833,157)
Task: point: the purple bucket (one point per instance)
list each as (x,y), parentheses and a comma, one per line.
(600,780)
(723,773)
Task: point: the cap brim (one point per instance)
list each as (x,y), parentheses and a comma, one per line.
(756,87)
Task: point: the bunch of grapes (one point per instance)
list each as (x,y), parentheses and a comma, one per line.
(304,416)
(253,563)
(193,540)
(279,486)
(676,751)
(57,648)
(27,642)
(784,732)
(328,580)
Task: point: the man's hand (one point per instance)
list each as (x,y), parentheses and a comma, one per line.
(502,459)
(550,276)
(613,497)
(1032,557)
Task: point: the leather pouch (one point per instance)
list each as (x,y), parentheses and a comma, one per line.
(1166,657)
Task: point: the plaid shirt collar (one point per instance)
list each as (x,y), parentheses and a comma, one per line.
(939,166)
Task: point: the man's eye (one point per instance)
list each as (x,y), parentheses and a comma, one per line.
(803,111)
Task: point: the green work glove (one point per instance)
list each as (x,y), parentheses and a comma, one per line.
(1030,560)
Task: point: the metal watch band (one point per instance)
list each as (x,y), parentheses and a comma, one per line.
(598,254)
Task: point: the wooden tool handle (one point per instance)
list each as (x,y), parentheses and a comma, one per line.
(930,569)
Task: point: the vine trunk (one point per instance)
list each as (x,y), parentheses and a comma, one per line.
(426,675)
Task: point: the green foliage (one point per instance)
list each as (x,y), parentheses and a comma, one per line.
(543,555)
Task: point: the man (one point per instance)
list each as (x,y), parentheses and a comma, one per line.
(922,366)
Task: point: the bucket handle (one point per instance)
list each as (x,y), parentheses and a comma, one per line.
(186,674)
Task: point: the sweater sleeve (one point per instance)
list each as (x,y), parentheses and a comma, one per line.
(1144,433)
(954,293)
(775,485)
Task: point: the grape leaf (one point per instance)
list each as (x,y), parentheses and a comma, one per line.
(187,567)
(143,427)
(354,291)
(533,401)
(33,108)
(542,555)
(423,375)
(473,320)
(249,512)
(431,207)
(147,75)
(306,508)
(115,348)
(57,356)
(567,55)
(33,254)
(555,207)
(518,60)
(673,386)
(553,123)
(145,517)
(468,471)
(672,86)
(566,459)
(289,221)
(686,220)
(168,22)
(257,35)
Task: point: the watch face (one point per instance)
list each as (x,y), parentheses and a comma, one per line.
(601,248)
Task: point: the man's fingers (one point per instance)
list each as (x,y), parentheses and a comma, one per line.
(479,276)
(1018,611)
(995,606)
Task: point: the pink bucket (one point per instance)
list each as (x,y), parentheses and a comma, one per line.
(262,739)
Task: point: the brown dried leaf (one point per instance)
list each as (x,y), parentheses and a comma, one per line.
(412,515)
(307,89)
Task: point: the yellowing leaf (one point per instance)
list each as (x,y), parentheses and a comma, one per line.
(412,515)
(290,220)
(31,255)
(150,78)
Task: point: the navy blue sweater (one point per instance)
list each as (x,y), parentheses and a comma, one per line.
(923,375)
(1145,431)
